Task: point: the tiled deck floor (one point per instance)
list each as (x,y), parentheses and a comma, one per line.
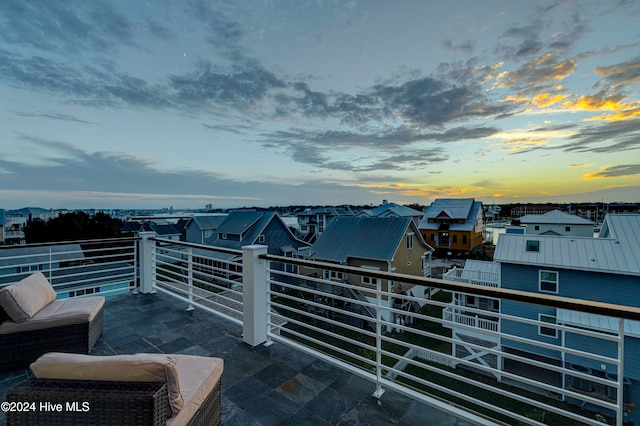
(274,385)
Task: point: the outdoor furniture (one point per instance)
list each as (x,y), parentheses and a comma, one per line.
(32,322)
(142,389)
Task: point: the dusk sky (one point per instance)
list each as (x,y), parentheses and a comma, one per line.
(145,104)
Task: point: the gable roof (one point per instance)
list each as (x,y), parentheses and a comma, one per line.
(555,217)
(239,222)
(207,222)
(395,209)
(453,208)
(363,237)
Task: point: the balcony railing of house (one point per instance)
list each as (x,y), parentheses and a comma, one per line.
(543,369)
(491,279)
(475,321)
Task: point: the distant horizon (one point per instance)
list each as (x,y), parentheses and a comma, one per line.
(178,210)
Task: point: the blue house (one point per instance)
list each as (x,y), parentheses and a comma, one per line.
(604,269)
(199,229)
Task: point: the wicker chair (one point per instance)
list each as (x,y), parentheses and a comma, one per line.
(32,322)
(91,402)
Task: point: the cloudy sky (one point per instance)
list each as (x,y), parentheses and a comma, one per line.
(154,103)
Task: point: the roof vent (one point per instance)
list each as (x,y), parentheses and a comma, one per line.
(593,260)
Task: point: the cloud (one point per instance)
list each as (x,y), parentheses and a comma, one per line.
(623,75)
(610,137)
(545,71)
(580,165)
(614,171)
(467,46)
(242,86)
(64,27)
(52,116)
(390,149)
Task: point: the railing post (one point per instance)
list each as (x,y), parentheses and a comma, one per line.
(146,262)
(379,390)
(254,299)
(190,278)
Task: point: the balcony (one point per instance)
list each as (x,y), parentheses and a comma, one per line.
(301,348)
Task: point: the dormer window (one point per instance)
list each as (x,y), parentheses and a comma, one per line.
(533,245)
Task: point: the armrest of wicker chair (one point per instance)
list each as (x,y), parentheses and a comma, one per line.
(81,402)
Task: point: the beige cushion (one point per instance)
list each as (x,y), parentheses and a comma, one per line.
(128,368)
(198,376)
(57,314)
(25,298)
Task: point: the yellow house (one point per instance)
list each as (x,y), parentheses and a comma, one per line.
(453,225)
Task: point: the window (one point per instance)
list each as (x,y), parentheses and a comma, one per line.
(533,245)
(433,237)
(548,281)
(455,239)
(536,228)
(547,331)
(471,301)
(567,229)
(223,236)
(261,238)
(409,241)
(369,280)
(208,233)
(464,239)
(333,275)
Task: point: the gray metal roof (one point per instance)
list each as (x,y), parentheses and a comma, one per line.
(454,208)
(238,222)
(597,322)
(364,238)
(472,265)
(555,217)
(209,222)
(609,255)
(395,209)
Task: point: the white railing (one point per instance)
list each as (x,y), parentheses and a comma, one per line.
(490,279)
(475,321)
(410,351)
(204,276)
(525,377)
(75,268)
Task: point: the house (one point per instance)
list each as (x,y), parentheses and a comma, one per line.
(392,210)
(391,244)
(604,269)
(312,221)
(242,228)
(453,225)
(459,313)
(167,231)
(15,221)
(200,228)
(245,227)
(557,222)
